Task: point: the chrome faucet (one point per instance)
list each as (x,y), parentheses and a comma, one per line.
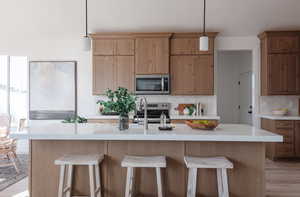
(143,101)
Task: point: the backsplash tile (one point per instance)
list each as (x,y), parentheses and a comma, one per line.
(208,101)
(268,103)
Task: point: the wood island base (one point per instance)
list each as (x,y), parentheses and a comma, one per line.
(247,179)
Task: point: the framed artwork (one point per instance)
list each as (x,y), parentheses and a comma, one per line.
(52,90)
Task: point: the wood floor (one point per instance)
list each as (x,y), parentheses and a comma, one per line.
(283,180)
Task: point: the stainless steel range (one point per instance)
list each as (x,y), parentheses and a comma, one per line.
(154,111)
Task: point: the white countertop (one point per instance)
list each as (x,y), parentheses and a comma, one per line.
(224,132)
(173,117)
(273,117)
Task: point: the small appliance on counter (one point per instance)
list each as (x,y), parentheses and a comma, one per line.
(154,112)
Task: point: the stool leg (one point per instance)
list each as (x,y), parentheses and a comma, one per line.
(69,183)
(98,181)
(220,183)
(61,181)
(92,181)
(192,182)
(159,182)
(225,183)
(129,182)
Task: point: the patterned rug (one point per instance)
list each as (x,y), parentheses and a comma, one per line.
(9,176)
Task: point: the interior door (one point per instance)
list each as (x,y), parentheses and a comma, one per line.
(245,91)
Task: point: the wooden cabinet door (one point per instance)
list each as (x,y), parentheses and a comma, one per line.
(124,47)
(103,74)
(292,69)
(282,44)
(103,47)
(204,75)
(277,77)
(152,56)
(189,46)
(192,75)
(113,47)
(124,72)
(297,138)
(182,81)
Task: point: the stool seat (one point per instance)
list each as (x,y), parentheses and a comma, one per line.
(144,162)
(207,162)
(74,159)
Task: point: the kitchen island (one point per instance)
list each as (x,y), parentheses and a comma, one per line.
(243,145)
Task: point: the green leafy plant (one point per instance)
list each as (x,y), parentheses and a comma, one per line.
(120,101)
(75,119)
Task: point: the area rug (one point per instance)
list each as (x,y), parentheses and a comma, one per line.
(9,176)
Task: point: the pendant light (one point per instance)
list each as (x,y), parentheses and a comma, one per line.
(86,41)
(204,40)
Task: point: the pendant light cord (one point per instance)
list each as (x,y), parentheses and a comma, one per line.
(86,18)
(204,17)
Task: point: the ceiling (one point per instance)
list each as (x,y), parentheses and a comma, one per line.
(65,17)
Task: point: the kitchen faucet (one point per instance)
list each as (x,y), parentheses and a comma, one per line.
(143,101)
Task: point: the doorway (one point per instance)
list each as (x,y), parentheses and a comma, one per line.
(235,87)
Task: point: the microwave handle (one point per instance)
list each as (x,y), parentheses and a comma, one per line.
(162,83)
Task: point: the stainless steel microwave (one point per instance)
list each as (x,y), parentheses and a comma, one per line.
(152,84)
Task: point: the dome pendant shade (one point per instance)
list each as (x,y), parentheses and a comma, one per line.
(86,43)
(204,43)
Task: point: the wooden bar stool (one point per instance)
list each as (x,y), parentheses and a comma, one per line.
(90,160)
(219,163)
(132,162)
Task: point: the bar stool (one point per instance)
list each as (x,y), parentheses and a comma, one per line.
(219,163)
(132,162)
(90,160)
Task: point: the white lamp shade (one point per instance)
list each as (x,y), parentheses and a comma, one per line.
(86,43)
(203,43)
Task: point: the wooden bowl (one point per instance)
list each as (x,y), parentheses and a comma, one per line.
(211,126)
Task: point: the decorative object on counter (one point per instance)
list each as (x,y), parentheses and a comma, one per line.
(202,124)
(199,109)
(53,90)
(186,109)
(122,102)
(280,112)
(75,119)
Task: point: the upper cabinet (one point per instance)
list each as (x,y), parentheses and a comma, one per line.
(192,71)
(192,75)
(280,66)
(152,53)
(118,57)
(107,44)
(113,62)
(188,44)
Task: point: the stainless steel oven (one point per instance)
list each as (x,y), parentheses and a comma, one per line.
(152,84)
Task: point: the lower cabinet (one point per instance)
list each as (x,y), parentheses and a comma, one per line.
(290,130)
(111,72)
(297,138)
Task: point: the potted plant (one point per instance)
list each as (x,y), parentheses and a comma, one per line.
(122,102)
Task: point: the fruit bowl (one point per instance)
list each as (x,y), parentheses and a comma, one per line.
(202,124)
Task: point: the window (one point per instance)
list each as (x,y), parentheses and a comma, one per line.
(14,87)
